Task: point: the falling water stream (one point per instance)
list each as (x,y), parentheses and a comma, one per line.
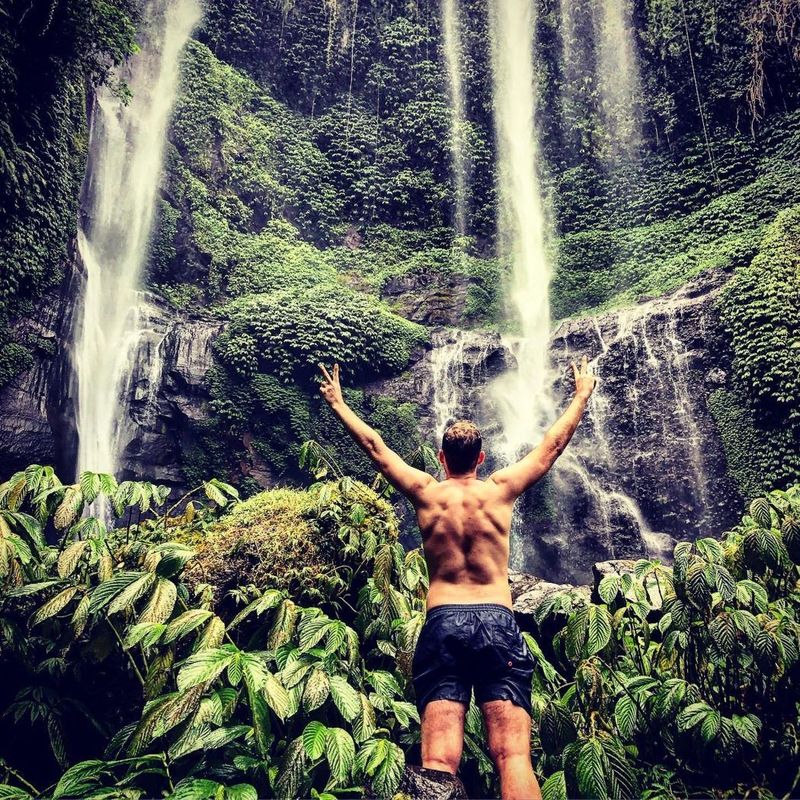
(522,396)
(451,29)
(617,70)
(116,331)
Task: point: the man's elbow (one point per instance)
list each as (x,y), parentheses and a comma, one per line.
(374,446)
(554,446)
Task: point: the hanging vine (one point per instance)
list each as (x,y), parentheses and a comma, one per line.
(763,20)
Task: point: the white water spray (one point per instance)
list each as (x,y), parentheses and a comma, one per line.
(522,396)
(127,145)
(618,77)
(451,29)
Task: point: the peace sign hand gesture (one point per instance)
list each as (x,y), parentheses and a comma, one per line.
(585,382)
(330,388)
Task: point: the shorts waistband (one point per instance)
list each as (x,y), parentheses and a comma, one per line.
(449,608)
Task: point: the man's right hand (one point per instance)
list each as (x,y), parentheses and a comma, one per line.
(584,381)
(330,388)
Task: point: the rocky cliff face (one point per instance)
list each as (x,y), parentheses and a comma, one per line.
(166,389)
(646,466)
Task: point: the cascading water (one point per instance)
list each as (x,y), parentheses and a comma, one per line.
(451,29)
(114,324)
(617,70)
(522,396)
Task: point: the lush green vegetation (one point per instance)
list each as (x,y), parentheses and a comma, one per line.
(49,53)
(180,654)
(759,419)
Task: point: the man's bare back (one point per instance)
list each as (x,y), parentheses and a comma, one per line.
(464,521)
(465,525)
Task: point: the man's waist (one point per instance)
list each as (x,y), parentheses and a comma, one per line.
(443,593)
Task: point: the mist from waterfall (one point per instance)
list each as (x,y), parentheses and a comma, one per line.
(522,396)
(126,153)
(453,53)
(618,78)
(600,75)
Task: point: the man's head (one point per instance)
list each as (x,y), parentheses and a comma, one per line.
(461,448)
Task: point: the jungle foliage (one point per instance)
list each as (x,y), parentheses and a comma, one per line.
(49,54)
(123,679)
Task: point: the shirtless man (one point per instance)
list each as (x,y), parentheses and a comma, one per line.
(470,638)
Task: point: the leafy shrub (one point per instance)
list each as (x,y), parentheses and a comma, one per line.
(761,309)
(678,682)
(271,700)
(681,680)
(289,333)
(285,539)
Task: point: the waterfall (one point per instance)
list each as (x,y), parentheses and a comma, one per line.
(126,151)
(451,30)
(458,365)
(618,77)
(521,396)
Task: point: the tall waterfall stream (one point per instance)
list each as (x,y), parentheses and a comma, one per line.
(116,330)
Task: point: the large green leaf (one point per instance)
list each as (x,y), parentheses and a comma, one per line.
(277,696)
(131,593)
(626,715)
(555,787)
(161,603)
(185,623)
(345,697)
(760,511)
(723,632)
(205,665)
(54,605)
(70,556)
(316,689)
(108,590)
(365,723)
(591,770)
(79,779)
(314,739)
(747,727)
(599,629)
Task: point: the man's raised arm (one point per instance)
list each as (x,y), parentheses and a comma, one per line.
(514,480)
(402,476)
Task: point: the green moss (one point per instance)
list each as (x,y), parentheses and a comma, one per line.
(756,455)
(760,307)
(287,539)
(598,269)
(14,359)
(290,333)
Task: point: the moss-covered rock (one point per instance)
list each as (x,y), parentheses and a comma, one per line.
(295,540)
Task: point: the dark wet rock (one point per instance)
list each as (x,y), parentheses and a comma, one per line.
(35,410)
(419,783)
(647,462)
(478,358)
(428,297)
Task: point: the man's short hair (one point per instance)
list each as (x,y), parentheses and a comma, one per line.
(461,445)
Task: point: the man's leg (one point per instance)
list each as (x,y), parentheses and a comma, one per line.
(509,737)
(443,735)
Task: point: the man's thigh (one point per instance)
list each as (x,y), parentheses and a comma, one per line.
(443,733)
(508,728)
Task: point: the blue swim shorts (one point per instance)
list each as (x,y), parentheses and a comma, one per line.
(478,646)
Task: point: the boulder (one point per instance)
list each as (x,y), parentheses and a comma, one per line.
(528,592)
(419,783)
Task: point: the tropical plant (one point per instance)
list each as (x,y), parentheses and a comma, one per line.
(675,681)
